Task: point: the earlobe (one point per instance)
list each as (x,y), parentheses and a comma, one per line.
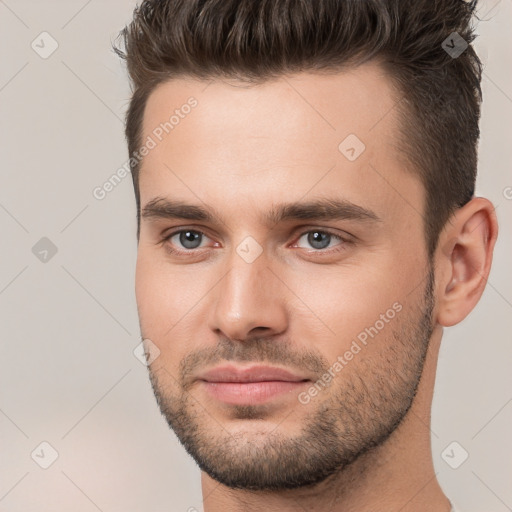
(464,259)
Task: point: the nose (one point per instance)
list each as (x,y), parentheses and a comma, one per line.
(249,300)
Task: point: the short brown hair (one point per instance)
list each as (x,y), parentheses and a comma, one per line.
(256,40)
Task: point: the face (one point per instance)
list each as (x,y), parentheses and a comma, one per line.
(282,275)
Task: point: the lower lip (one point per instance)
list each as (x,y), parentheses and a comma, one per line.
(244,393)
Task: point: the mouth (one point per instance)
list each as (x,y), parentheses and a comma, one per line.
(254,385)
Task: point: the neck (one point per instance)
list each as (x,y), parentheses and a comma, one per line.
(396,475)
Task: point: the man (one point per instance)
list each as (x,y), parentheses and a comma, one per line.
(304,176)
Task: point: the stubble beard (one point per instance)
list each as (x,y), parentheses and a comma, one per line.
(366,405)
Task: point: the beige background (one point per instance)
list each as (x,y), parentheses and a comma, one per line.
(69,325)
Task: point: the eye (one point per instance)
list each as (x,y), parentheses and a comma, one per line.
(187,242)
(189,239)
(320,239)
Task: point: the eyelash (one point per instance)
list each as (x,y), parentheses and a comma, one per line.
(337,249)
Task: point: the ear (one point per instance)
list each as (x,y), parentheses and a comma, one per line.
(463,259)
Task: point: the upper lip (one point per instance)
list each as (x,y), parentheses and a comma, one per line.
(251,374)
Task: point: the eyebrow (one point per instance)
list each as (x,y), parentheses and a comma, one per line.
(316,210)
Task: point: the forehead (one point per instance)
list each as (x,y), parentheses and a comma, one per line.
(302,134)
(321,108)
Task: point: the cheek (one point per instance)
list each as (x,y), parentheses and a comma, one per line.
(353,292)
(167,298)
(159,309)
(157,298)
(344,303)
(148,290)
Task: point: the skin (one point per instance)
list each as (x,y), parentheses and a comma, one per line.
(241,152)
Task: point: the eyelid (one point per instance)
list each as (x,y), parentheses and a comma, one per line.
(343,235)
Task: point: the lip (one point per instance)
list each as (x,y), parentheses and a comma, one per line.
(251,374)
(246,386)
